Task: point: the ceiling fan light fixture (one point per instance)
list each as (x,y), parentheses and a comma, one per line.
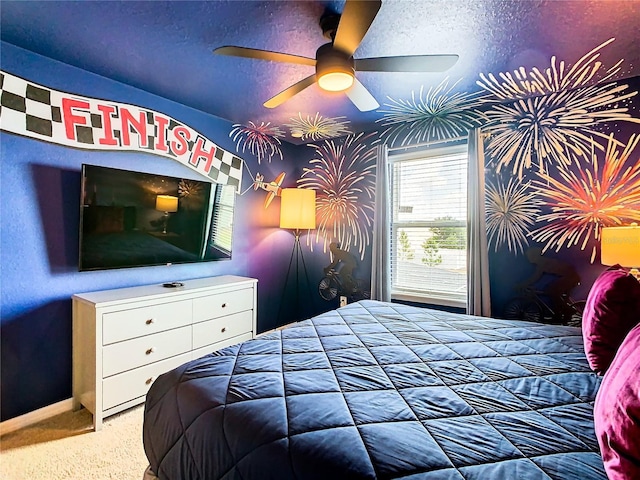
(336,81)
(335,70)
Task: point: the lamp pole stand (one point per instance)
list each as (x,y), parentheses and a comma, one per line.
(165,220)
(297,253)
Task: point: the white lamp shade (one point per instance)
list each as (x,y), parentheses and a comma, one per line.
(298,208)
(167,203)
(621,245)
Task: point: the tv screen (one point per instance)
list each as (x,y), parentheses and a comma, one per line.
(135,219)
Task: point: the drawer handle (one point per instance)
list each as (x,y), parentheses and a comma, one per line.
(149,322)
(224,305)
(149,351)
(149,381)
(224,329)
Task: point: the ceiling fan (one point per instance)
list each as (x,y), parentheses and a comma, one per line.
(334,62)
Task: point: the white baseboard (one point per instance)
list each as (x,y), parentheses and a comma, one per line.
(36,416)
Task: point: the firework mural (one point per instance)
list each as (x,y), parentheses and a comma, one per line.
(436,114)
(582,201)
(318,127)
(511,211)
(262,140)
(554,114)
(190,193)
(522,83)
(343,176)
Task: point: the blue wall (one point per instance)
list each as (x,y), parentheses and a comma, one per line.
(39,237)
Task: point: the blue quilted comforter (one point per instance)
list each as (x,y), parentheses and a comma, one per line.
(377,390)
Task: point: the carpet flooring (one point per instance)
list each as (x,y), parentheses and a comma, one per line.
(66,447)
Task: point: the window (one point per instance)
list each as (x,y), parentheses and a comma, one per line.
(222,225)
(429,226)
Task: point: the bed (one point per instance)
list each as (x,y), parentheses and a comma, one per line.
(381,390)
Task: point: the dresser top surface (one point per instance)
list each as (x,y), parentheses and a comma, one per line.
(147,292)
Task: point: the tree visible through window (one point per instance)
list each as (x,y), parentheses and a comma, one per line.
(406,250)
(428,222)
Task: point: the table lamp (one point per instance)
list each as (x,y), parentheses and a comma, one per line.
(167,204)
(621,245)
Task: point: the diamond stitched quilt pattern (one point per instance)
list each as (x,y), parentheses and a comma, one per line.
(381,390)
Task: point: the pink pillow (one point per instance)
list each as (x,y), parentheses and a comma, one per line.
(612,309)
(617,412)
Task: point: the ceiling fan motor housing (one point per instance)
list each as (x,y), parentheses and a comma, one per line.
(329,24)
(332,62)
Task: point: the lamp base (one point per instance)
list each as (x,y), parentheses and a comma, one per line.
(296,254)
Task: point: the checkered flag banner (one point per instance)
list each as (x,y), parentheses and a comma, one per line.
(35,111)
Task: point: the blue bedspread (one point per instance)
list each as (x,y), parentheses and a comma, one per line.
(377,390)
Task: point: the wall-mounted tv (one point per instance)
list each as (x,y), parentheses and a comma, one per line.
(135,219)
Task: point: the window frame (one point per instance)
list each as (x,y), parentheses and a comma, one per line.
(424,296)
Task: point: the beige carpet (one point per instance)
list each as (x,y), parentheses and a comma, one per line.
(66,447)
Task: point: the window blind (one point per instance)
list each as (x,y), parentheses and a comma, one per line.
(222,223)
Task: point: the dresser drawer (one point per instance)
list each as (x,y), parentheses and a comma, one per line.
(218,305)
(201,352)
(136,322)
(130,354)
(135,383)
(220,329)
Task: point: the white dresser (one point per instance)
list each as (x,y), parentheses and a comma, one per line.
(124,338)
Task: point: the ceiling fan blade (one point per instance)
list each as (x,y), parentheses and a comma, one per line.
(361,97)
(264,55)
(289,92)
(355,21)
(409,63)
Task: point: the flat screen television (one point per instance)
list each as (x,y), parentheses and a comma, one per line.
(136,219)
